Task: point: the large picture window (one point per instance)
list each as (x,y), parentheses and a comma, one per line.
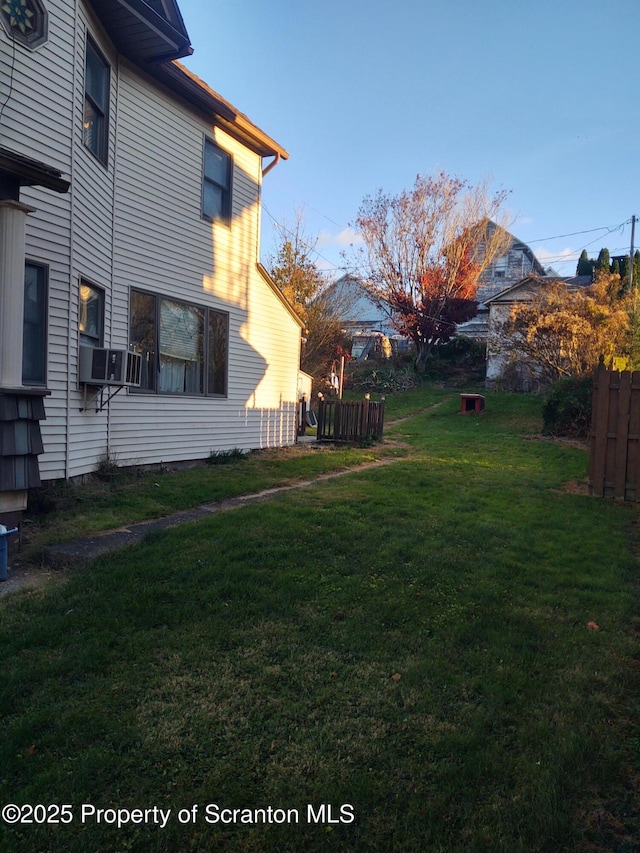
(34,341)
(95,128)
(216,189)
(184,347)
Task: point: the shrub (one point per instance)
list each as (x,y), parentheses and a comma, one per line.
(107,468)
(383,378)
(463,350)
(226,457)
(567,409)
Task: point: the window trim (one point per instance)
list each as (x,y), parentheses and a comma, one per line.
(225,217)
(90,340)
(102,152)
(207,311)
(45,326)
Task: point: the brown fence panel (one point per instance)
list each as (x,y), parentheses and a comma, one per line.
(614,462)
(633,439)
(340,420)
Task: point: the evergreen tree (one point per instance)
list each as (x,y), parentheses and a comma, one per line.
(585,266)
(624,270)
(636,269)
(603,264)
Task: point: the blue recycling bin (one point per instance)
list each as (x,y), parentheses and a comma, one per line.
(4,537)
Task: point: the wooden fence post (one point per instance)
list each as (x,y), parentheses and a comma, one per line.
(599,421)
(621,441)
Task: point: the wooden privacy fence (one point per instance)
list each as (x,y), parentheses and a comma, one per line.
(614,462)
(340,420)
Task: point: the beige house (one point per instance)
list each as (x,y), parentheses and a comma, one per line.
(135,319)
(501,371)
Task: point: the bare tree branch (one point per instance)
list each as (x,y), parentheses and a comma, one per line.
(424,251)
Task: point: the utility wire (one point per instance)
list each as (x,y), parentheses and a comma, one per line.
(12,70)
(573,257)
(606,228)
(307,246)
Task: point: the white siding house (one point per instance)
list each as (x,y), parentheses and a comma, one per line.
(506,270)
(130,202)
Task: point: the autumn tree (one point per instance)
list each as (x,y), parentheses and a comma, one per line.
(297,276)
(423,252)
(562,331)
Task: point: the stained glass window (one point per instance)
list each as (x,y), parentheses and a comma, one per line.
(25,20)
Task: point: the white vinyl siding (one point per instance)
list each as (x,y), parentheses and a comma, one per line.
(164,246)
(136,222)
(36,122)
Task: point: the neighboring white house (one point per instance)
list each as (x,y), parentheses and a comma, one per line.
(130,195)
(511,267)
(366,324)
(359,313)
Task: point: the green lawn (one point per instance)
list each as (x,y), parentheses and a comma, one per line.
(413,645)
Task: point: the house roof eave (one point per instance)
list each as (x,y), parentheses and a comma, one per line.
(503,295)
(141,32)
(26,172)
(189,87)
(276,290)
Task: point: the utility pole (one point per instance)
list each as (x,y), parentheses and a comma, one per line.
(633,231)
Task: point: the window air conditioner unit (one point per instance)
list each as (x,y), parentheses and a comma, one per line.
(100,366)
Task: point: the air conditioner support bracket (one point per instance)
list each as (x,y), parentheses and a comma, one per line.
(94,398)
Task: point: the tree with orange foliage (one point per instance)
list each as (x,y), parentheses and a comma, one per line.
(564,331)
(423,252)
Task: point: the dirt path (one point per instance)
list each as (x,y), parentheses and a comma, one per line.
(81,552)
(57,559)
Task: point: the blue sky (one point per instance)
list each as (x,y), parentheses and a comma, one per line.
(539,95)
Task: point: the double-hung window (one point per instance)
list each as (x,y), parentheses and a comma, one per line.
(91,315)
(95,129)
(216,185)
(34,340)
(500,266)
(184,347)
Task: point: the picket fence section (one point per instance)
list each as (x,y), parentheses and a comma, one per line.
(614,462)
(340,420)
